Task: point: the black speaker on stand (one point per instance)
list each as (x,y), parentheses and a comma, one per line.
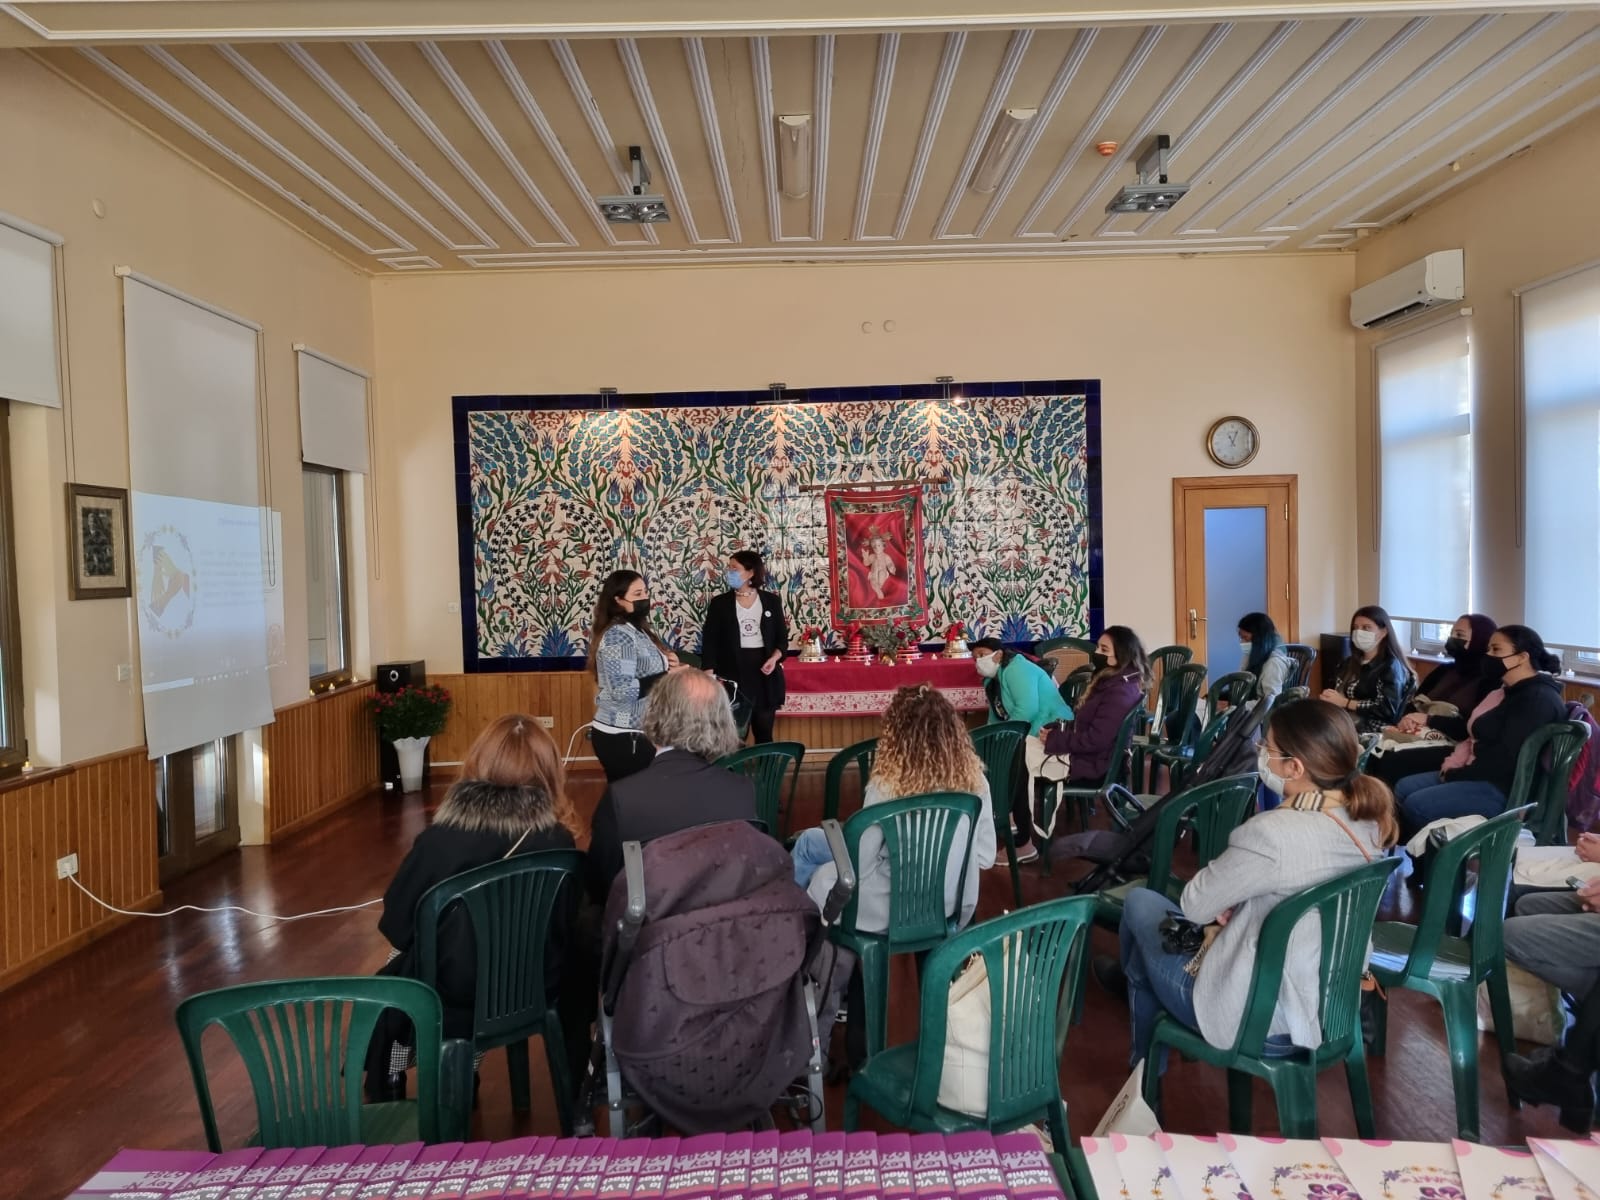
(391,677)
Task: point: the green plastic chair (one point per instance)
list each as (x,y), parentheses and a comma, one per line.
(1544,778)
(1212,811)
(1346,907)
(999,746)
(1086,797)
(512,906)
(1031,957)
(1180,760)
(1074,685)
(1179,693)
(1303,657)
(768,765)
(1083,646)
(1163,661)
(919,835)
(304,1045)
(1288,696)
(1231,689)
(1425,958)
(860,756)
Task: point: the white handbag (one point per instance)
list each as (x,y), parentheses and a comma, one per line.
(964,1081)
(1537,1014)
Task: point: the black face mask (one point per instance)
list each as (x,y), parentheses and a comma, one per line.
(1494,669)
(1456,647)
(1099,661)
(641,610)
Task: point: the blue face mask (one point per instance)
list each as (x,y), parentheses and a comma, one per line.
(735,579)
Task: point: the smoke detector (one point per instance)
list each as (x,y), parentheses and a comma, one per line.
(1153,193)
(638,207)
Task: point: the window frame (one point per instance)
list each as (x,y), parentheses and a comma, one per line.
(344,673)
(13,727)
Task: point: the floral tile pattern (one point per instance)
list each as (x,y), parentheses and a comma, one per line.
(555,498)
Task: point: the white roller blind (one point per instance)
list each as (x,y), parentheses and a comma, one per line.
(28,364)
(198,528)
(333,414)
(1561,398)
(1425,446)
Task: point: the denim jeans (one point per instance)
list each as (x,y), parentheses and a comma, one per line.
(1157,982)
(1426,798)
(810,852)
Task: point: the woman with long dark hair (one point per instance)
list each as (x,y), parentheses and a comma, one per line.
(745,637)
(1262,654)
(1462,683)
(1332,820)
(1531,698)
(626,659)
(1375,682)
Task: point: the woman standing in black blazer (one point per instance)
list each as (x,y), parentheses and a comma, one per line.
(745,637)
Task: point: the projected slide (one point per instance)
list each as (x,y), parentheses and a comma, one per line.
(202,619)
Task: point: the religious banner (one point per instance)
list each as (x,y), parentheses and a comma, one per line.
(875,567)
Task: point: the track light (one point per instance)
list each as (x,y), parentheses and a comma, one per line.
(1005,139)
(794,155)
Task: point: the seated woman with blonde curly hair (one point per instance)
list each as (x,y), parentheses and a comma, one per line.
(924,748)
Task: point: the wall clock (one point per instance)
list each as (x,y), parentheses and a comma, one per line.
(1232,442)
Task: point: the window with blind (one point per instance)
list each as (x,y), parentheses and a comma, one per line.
(327,595)
(1425,448)
(13,740)
(1561,413)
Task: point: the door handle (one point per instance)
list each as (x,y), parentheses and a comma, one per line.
(1194,623)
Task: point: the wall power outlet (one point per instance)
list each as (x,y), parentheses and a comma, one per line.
(66,865)
(547,722)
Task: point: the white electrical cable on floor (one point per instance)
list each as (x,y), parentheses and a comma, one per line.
(324,912)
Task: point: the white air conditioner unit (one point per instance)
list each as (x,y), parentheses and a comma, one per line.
(1427,283)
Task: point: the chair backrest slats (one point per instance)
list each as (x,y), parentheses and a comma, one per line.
(1493,846)
(860,756)
(303,1043)
(1213,811)
(769,765)
(1030,957)
(999,747)
(1303,657)
(919,834)
(1544,775)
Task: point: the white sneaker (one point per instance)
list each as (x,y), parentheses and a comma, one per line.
(1027,854)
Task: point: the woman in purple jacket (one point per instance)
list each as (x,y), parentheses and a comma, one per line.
(1121,676)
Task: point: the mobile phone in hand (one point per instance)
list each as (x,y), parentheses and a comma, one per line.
(1575,883)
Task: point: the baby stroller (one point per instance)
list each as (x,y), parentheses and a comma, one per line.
(718,985)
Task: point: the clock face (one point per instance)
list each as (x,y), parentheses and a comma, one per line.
(1232,442)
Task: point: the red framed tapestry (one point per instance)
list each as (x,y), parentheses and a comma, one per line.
(875,566)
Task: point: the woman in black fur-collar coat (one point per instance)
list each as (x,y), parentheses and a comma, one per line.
(509,799)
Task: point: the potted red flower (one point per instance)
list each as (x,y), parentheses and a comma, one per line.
(409,718)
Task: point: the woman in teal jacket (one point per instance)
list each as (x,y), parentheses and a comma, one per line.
(1019,689)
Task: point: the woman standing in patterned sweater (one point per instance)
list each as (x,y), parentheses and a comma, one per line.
(626,659)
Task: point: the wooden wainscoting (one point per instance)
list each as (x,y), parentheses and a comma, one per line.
(104,811)
(321,753)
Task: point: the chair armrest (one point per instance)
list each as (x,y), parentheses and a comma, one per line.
(633,871)
(616,963)
(844,885)
(455,1090)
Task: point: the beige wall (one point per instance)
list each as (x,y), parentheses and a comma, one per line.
(1176,344)
(168,219)
(1528,218)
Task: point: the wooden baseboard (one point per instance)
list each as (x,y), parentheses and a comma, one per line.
(113,922)
(311,818)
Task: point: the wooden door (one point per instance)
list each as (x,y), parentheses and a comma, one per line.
(1233,548)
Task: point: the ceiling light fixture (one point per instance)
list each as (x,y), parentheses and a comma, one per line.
(1153,193)
(794,155)
(638,207)
(1005,139)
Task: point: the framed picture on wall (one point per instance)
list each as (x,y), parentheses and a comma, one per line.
(98,563)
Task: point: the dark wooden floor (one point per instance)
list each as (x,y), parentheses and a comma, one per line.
(90,1060)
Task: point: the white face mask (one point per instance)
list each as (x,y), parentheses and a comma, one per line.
(988,666)
(1244,651)
(1364,639)
(1274,781)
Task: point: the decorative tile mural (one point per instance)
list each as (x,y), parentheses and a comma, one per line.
(552,497)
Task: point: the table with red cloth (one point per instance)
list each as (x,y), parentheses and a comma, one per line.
(836,688)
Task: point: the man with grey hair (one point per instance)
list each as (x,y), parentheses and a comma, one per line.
(688,719)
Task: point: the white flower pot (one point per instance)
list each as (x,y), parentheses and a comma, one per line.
(410,752)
